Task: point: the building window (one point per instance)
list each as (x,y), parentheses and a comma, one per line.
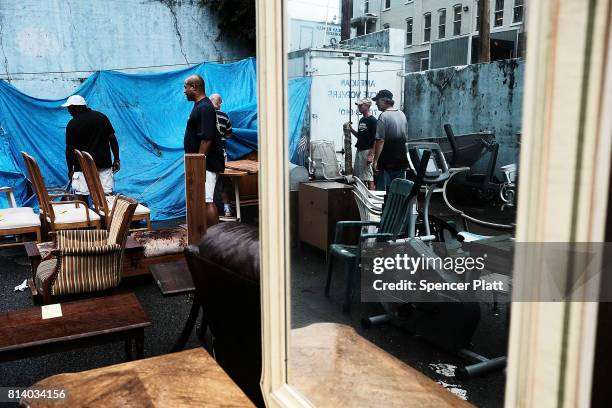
(441,23)
(499,13)
(408,31)
(457,19)
(518,11)
(366,6)
(427,27)
(387,4)
(424,64)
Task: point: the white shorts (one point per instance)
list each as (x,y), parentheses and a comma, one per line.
(107,178)
(211,180)
(362,168)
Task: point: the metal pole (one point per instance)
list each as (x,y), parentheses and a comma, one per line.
(350,64)
(367,64)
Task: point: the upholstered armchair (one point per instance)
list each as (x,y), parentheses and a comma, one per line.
(87,260)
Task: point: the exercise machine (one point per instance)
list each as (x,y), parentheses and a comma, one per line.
(451,322)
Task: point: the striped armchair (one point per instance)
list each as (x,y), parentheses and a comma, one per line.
(87,260)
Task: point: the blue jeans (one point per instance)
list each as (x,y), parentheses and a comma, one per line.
(385,177)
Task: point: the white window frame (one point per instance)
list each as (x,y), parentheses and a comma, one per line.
(517,6)
(411,32)
(442,23)
(421,63)
(366,6)
(386,5)
(498,14)
(425,28)
(551,345)
(455,20)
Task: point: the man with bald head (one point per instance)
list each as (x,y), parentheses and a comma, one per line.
(202,135)
(225,126)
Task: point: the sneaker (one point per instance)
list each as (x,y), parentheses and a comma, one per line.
(228,213)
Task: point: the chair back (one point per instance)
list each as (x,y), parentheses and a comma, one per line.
(96,191)
(39,186)
(120,219)
(323,156)
(397,210)
(226,278)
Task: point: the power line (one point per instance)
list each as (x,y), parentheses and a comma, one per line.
(85,71)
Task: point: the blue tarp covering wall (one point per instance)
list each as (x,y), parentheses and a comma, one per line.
(148,112)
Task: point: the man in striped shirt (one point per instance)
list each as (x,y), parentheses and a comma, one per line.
(225,127)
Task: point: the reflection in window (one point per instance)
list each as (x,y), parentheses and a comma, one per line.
(499,13)
(457,19)
(427,27)
(518,11)
(408,31)
(441,23)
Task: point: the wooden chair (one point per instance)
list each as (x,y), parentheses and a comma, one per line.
(87,260)
(18,220)
(59,215)
(102,203)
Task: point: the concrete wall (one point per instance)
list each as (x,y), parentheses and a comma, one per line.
(472,98)
(61,36)
(390,41)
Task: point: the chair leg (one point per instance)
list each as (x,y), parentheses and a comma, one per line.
(38,235)
(148,222)
(330,269)
(349,268)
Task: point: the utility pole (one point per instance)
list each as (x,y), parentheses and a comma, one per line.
(484,28)
(345,25)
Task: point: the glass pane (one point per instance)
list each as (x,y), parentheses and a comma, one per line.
(350,343)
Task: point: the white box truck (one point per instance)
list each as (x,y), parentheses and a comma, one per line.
(333,79)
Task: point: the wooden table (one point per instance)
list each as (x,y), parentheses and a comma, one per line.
(191,378)
(235,176)
(333,366)
(173,278)
(23,333)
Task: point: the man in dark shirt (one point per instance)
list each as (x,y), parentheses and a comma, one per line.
(92,132)
(202,135)
(225,126)
(390,155)
(365,133)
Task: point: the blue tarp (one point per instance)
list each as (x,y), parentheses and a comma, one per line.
(148,112)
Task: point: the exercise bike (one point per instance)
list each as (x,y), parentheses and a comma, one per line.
(451,322)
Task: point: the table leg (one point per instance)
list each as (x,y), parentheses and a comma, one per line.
(140,344)
(237,197)
(128,350)
(189,325)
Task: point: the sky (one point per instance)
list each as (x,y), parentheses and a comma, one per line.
(317,10)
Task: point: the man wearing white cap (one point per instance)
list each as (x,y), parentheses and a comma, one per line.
(92,132)
(365,134)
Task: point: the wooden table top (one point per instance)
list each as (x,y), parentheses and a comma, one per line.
(250,166)
(173,278)
(190,378)
(83,318)
(333,366)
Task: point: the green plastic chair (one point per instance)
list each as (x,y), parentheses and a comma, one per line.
(393,224)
